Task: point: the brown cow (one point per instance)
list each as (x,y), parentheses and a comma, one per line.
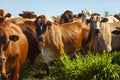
(54,38)
(28,14)
(66,17)
(13,50)
(117,16)
(28,29)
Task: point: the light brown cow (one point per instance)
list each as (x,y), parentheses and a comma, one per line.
(67,17)
(13,50)
(113,28)
(107,38)
(55,38)
(98,34)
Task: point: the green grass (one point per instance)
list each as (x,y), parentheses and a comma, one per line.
(104,66)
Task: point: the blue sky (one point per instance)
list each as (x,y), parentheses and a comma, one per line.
(56,7)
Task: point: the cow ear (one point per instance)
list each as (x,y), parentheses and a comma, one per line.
(8,15)
(49,23)
(21,15)
(79,15)
(14,38)
(104,20)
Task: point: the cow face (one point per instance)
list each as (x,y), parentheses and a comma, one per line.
(95,23)
(41,26)
(66,17)
(4,43)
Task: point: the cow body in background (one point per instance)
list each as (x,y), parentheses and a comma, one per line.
(115,33)
(33,51)
(13,50)
(112,19)
(28,14)
(111,29)
(66,17)
(117,16)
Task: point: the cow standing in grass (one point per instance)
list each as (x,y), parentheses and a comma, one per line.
(13,50)
(54,38)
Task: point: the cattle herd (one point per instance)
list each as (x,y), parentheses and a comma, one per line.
(29,35)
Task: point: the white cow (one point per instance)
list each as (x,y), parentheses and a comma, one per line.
(112,19)
(86,14)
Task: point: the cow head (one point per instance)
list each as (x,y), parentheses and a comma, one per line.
(67,16)
(86,14)
(104,20)
(95,23)
(28,14)
(8,15)
(4,43)
(41,25)
(117,16)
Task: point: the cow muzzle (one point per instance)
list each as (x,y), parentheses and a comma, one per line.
(2,59)
(97,31)
(41,38)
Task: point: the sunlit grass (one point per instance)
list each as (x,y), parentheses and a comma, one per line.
(104,66)
(89,67)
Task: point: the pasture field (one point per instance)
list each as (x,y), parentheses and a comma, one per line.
(89,67)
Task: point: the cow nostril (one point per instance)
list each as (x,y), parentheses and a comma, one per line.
(97,31)
(41,37)
(2,60)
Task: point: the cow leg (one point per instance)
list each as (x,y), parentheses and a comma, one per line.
(4,76)
(61,51)
(40,46)
(47,69)
(15,73)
